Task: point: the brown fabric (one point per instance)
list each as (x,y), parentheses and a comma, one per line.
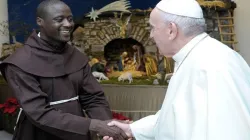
(40,58)
(102,128)
(38,76)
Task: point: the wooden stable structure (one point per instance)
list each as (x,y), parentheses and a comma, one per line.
(225,19)
(229,37)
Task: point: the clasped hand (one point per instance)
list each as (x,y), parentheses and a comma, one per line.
(124,126)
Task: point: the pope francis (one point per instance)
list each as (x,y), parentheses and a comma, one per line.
(208,97)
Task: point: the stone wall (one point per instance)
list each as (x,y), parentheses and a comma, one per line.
(95,35)
(8,49)
(227,26)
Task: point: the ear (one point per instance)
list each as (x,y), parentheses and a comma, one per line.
(173,31)
(39,21)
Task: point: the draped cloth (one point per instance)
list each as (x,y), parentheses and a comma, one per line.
(208,97)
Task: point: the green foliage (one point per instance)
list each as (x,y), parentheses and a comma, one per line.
(8,122)
(136,81)
(97,67)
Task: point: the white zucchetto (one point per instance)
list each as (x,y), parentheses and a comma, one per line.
(187,8)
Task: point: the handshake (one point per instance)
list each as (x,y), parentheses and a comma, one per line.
(112,129)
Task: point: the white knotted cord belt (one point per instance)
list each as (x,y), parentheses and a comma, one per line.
(51,103)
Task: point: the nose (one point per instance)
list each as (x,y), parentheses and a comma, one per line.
(67,23)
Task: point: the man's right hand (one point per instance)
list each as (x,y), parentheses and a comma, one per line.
(102,129)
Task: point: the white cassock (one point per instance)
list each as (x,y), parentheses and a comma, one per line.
(208,97)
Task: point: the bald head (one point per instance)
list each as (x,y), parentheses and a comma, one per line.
(43,8)
(55,20)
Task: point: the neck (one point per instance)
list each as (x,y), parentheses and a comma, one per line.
(50,40)
(181,42)
(53,44)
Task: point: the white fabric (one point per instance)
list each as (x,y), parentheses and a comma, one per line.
(145,131)
(208,97)
(18,117)
(64,101)
(187,8)
(180,56)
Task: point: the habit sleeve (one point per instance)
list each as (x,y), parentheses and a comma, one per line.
(27,90)
(92,97)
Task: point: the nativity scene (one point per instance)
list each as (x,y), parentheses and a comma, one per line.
(170,71)
(119,37)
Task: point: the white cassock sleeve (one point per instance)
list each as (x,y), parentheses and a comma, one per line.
(221,103)
(143,129)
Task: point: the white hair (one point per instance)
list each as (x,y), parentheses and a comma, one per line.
(189,26)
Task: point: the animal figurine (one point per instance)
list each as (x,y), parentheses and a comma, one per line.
(99,75)
(156,82)
(168,76)
(126,76)
(158,76)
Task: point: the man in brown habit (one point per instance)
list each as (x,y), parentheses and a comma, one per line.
(52,82)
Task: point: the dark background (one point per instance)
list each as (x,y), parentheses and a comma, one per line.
(22,12)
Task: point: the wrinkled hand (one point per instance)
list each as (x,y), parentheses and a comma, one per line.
(123,125)
(102,128)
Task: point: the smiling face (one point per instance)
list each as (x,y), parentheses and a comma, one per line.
(58,23)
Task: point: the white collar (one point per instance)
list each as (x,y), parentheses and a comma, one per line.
(179,56)
(39,34)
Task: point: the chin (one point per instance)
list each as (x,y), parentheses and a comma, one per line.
(65,39)
(166,54)
(160,51)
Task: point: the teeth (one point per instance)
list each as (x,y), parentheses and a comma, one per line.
(65,31)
